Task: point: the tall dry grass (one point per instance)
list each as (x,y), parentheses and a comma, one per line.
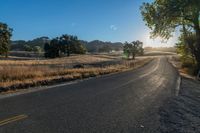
(36,72)
(80,59)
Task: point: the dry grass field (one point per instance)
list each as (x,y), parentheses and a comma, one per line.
(19,74)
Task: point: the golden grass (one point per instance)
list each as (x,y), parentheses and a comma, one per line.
(80,59)
(33,73)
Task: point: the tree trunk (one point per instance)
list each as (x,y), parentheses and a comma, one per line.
(68,50)
(197,51)
(68,54)
(133,56)
(6,54)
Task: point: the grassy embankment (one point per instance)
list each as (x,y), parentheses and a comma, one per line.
(187,68)
(29,73)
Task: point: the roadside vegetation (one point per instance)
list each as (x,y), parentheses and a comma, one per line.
(187,57)
(24,74)
(164,17)
(60,59)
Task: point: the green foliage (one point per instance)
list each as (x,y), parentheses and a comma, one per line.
(101,46)
(37,49)
(5,35)
(132,49)
(78,48)
(93,46)
(66,44)
(27,48)
(47,49)
(164,16)
(52,49)
(105,49)
(21,45)
(186,53)
(127,49)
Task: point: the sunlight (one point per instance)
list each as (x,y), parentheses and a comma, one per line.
(148,42)
(88,66)
(158,42)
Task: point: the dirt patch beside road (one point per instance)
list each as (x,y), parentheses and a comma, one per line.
(181,114)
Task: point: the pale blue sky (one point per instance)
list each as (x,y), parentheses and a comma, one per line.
(107,20)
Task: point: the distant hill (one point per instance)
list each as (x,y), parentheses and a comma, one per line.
(93,46)
(21,45)
(100,46)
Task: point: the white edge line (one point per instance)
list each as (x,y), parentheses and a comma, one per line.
(178,84)
(41,88)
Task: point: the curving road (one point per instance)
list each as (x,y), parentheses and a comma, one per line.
(124,102)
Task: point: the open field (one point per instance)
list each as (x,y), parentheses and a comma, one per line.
(158,53)
(128,100)
(18,74)
(58,61)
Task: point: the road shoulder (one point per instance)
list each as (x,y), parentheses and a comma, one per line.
(63,82)
(180,114)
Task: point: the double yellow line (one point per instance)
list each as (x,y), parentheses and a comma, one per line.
(12,119)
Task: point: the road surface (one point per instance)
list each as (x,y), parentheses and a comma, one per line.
(118,103)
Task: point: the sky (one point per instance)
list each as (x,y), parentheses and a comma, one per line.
(106,20)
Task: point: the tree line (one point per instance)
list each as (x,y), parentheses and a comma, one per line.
(163,17)
(95,46)
(36,45)
(5,35)
(66,44)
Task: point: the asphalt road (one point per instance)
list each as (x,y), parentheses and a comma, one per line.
(127,102)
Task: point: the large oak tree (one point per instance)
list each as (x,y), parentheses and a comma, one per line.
(134,48)
(5,35)
(164,16)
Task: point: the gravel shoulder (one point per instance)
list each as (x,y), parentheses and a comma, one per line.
(181,114)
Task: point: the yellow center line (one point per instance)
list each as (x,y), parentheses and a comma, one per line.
(12,119)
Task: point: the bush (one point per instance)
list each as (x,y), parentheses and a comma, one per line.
(191,67)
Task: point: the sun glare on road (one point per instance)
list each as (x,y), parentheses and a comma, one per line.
(90,66)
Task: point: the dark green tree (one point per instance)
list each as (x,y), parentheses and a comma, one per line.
(66,41)
(66,44)
(52,49)
(127,49)
(78,48)
(55,50)
(47,50)
(71,45)
(134,48)
(5,35)
(28,48)
(137,48)
(164,16)
(37,49)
